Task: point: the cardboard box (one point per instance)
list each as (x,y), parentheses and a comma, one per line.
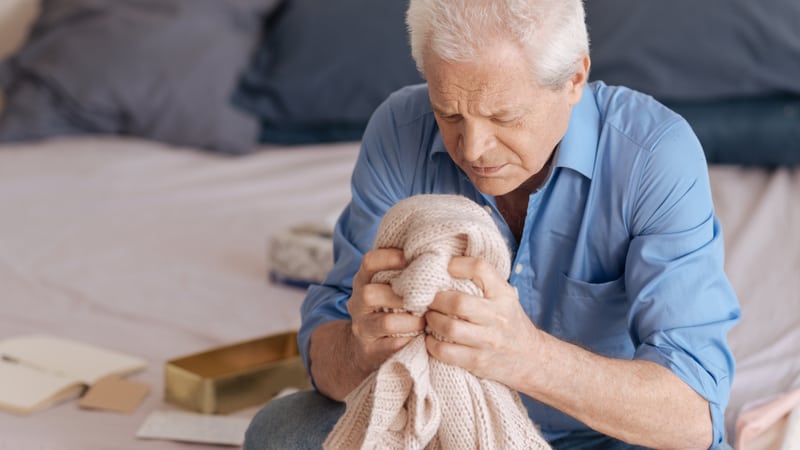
(235,376)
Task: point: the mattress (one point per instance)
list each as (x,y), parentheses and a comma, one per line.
(160,252)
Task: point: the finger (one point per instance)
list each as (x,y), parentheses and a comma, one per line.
(378,325)
(459,305)
(398,324)
(453,330)
(378,260)
(479,272)
(380,297)
(451,353)
(379,350)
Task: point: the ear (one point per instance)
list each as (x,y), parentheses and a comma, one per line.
(578,81)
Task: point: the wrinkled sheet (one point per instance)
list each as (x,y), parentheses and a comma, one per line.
(160,252)
(155,251)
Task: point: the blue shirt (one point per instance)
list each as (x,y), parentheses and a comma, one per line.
(621,252)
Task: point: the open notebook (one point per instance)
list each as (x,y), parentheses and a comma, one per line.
(37,370)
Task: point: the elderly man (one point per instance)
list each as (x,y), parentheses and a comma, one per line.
(612,326)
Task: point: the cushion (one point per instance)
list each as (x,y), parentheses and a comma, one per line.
(760,131)
(685,50)
(730,67)
(158,69)
(323,67)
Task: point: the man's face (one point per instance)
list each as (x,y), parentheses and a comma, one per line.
(496,122)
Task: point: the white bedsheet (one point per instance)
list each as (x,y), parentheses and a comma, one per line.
(760,214)
(160,252)
(149,250)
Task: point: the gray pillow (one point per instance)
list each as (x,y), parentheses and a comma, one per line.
(159,69)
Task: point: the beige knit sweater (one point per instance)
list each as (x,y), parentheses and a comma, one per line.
(414,401)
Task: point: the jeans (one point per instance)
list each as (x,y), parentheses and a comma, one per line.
(297,421)
(303,421)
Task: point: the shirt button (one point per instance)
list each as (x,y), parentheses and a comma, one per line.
(488,209)
(518,269)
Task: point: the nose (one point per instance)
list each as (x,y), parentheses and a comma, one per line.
(476,139)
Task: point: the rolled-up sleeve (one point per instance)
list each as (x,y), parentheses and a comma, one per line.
(376,185)
(684,305)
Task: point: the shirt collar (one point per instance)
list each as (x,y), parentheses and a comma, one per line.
(578,147)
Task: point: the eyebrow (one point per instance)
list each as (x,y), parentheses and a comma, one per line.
(437,108)
(504,111)
(442,112)
(513,110)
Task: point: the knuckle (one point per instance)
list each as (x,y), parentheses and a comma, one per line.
(385,323)
(459,305)
(479,265)
(366,261)
(370,261)
(449,329)
(368,292)
(356,329)
(433,346)
(373,295)
(492,344)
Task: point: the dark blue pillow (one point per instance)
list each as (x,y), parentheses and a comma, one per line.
(761,131)
(689,50)
(324,66)
(730,67)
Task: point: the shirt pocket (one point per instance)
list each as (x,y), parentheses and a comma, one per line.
(594,316)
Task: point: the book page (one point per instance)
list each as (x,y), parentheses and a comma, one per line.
(24,389)
(70,359)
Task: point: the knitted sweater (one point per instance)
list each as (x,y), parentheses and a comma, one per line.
(414,401)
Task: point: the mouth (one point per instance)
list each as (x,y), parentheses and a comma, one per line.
(486,170)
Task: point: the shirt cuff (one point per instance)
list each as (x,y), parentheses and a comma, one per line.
(694,375)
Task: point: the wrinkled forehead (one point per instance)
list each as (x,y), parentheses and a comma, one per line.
(500,74)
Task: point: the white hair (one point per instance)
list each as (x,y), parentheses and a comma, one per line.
(552,32)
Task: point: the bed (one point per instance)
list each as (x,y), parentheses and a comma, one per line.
(150,250)
(161,251)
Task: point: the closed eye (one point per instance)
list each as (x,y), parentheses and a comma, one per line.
(451,118)
(505,120)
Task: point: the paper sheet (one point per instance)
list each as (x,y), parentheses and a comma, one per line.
(192,427)
(115,394)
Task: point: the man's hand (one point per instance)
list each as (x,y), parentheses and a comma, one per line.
(343,353)
(489,336)
(494,339)
(377,331)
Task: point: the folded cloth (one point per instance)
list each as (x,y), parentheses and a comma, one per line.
(414,401)
(301,255)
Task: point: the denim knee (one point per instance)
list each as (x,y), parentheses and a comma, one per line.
(298,421)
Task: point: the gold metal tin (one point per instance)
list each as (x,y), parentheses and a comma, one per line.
(236,376)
